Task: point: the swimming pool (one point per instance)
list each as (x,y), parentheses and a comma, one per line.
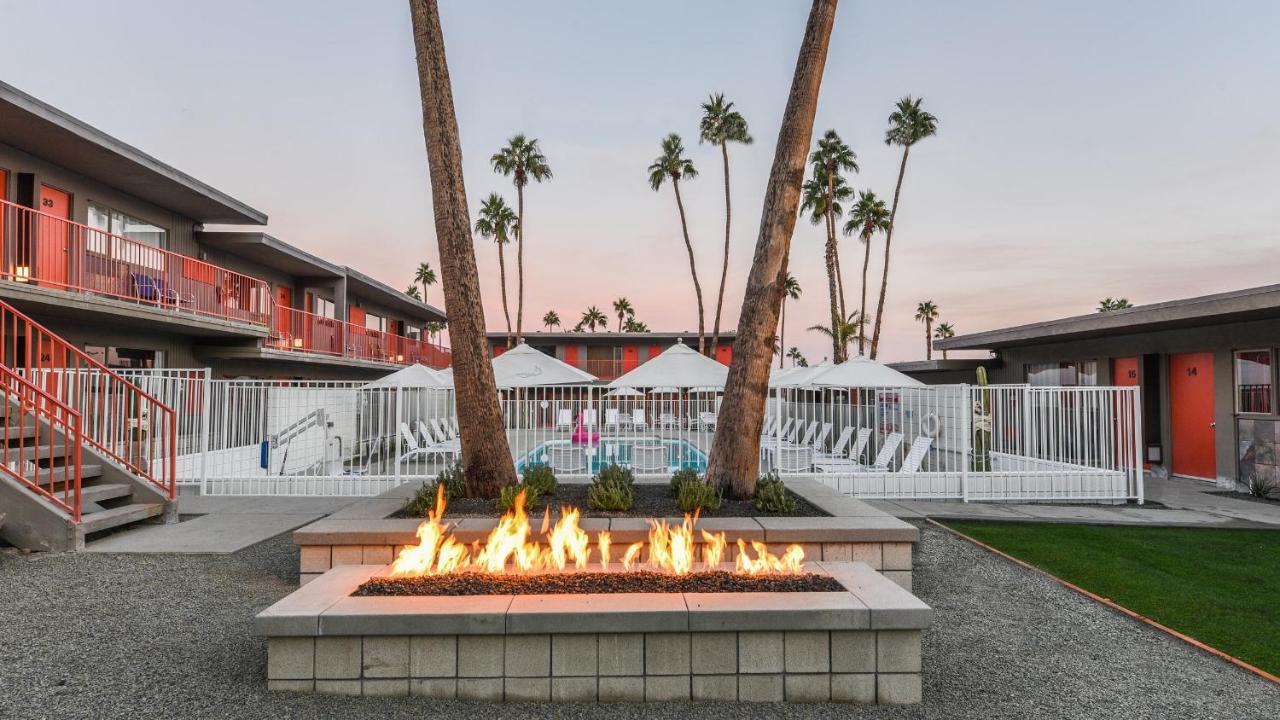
(678,453)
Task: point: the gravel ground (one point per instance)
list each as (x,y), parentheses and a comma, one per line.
(154,636)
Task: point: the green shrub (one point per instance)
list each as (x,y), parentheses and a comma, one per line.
(455,485)
(610,493)
(540,477)
(616,473)
(507,499)
(422,502)
(772,495)
(1265,488)
(697,495)
(682,476)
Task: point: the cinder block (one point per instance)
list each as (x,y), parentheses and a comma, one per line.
(719,688)
(338,658)
(666,653)
(573,689)
(433,656)
(808,688)
(837,552)
(487,689)
(898,651)
(314,558)
(715,653)
(807,651)
(347,555)
(291,658)
(387,657)
(575,655)
(386,687)
(291,685)
(760,688)
(666,688)
(853,651)
(622,654)
(869,553)
(527,689)
(621,689)
(338,687)
(853,688)
(480,656)
(528,656)
(760,653)
(901,577)
(897,556)
(376,555)
(898,689)
(304,578)
(437,688)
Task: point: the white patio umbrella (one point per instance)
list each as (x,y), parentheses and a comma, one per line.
(413,376)
(795,376)
(858,372)
(522,366)
(624,392)
(679,366)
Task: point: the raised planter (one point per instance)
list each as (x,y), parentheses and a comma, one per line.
(859,645)
(854,531)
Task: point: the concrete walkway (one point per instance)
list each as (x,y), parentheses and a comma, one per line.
(224,525)
(1186,503)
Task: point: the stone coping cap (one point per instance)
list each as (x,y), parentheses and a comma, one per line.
(325,607)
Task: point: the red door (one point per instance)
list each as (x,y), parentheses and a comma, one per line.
(1124,371)
(571,355)
(630,357)
(52,238)
(724,354)
(1191,401)
(284,318)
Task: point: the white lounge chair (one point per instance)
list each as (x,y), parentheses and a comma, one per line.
(567,459)
(442,431)
(589,417)
(637,419)
(837,460)
(766,430)
(808,435)
(888,449)
(820,440)
(837,450)
(453,424)
(414,450)
(650,458)
(564,419)
(794,459)
(786,429)
(707,421)
(611,419)
(667,421)
(915,456)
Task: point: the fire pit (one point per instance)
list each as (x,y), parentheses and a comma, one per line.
(552,614)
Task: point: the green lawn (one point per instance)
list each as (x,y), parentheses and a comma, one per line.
(1221,587)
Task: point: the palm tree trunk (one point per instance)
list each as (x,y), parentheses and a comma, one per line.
(735,452)
(693,269)
(520,265)
(502,277)
(782,330)
(486,456)
(928,339)
(833,299)
(888,238)
(724,266)
(862,312)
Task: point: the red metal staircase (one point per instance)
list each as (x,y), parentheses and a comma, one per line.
(84,449)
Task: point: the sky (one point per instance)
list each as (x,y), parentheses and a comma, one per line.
(1084,149)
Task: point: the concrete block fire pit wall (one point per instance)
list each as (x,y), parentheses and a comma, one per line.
(853,532)
(860,645)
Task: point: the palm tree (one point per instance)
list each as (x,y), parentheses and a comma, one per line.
(424,276)
(495,222)
(633,325)
(841,332)
(796,358)
(908,125)
(735,451)
(868,216)
(521,160)
(622,307)
(927,312)
(434,328)
(942,332)
(790,289)
(721,125)
(593,318)
(486,455)
(1107,304)
(824,195)
(551,319)
(412,291)
(673,165)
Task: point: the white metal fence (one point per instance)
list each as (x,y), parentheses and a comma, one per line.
(962,442)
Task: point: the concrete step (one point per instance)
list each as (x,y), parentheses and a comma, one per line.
(103,492)
(43,451)
(115,517)
(87,472)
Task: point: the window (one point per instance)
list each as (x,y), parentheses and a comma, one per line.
(118,358)
(322,307)
(375,322)
(1253,381)
(1068,374)
(143,234)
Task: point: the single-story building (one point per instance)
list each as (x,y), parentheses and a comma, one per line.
(1206,367)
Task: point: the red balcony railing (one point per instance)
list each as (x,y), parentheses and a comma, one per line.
(603,369)
(40,429)
(300,331)
(50,252)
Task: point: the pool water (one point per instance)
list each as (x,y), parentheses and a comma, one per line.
(681,454)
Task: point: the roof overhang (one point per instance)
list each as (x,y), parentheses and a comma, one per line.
(270,252)
(385,295)
(587,337)
(48,133)
(1259,303)
(957,365)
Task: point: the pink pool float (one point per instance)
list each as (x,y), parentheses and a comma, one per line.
(580,436)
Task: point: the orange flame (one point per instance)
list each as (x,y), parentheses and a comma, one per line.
(511,548)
